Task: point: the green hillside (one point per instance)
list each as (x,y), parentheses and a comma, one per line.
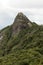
(21,43)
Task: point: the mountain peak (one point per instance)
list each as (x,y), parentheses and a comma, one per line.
(20,14)
(21,18)
(21,22)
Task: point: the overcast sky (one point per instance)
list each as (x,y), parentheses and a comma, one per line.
(33,9)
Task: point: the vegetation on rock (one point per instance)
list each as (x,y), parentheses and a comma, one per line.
(22,43)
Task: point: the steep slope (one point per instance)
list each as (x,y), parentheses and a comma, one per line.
(21,43)
(21,22)
(9,35)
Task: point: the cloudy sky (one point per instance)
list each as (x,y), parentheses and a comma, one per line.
(33,9)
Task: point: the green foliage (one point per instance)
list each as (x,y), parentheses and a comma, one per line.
(24,48)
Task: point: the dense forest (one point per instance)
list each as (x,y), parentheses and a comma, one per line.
(21,43)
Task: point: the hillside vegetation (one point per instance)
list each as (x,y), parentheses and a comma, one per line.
(21,43)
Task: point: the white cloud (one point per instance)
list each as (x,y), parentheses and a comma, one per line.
(26,3)
(21,3)
(33,9)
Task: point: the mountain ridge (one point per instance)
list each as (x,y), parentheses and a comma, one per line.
(21,43)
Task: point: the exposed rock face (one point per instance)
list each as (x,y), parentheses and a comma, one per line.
(1,37)
(20,22)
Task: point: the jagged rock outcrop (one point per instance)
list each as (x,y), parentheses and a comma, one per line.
(21,22)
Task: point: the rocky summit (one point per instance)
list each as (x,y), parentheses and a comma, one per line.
(21,22)
(21,43)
